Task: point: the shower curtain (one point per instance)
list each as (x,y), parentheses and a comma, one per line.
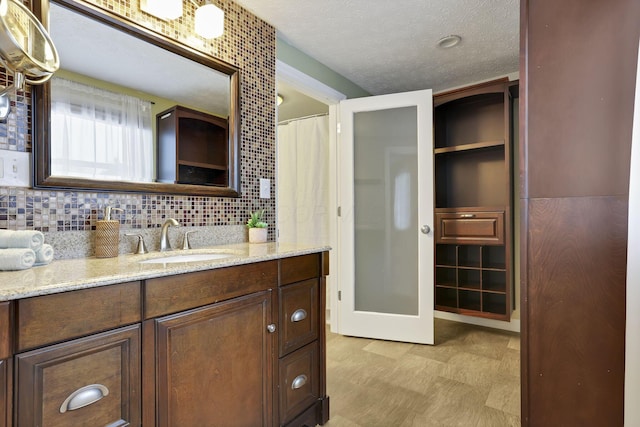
(303,181)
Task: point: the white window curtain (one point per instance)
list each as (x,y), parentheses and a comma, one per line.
(303,181)
(99,134)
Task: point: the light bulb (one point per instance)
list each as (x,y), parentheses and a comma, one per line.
(209,21)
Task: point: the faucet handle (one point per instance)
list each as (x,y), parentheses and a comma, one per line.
(185,241)
(141,248)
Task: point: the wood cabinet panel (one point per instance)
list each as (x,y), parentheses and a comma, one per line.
(299,382)
(52,318)
(107,364)
(5,330)
(298,315)
(470,227)
(5,393)
(579,128)
(576,296)
(299,268)
(171,294)
(214,364)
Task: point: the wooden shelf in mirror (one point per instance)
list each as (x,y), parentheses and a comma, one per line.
(192,147)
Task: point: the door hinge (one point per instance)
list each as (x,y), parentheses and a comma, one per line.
(338,127)
(339,210)
(339,295)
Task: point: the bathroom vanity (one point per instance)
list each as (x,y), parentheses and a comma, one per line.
(237,341)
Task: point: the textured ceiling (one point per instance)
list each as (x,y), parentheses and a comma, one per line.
(390,46)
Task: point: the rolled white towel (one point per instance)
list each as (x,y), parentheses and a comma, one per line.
(44,255)
(16,259)
(21,239)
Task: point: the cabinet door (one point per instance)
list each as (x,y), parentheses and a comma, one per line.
(92,381)
(214,365)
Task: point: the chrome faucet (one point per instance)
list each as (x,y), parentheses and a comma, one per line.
(164,239)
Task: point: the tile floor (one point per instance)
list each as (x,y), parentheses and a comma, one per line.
(470,378)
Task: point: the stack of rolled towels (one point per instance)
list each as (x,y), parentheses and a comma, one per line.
(22,249)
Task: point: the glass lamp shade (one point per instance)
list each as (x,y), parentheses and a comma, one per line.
(209,21)
(163,9)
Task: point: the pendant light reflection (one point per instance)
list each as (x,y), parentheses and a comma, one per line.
(209,19)
(166,10)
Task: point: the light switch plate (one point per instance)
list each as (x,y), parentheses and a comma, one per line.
(16,166)
(265,188)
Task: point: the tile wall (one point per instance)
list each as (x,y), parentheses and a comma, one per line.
(248,43)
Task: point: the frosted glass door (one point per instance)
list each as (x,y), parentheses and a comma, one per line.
(386,162)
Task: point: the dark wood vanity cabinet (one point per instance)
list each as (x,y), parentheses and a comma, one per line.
(192,147)
(473,194)
(301,366)
(234,346)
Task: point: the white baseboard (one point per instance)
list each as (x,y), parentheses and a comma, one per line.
(512,326)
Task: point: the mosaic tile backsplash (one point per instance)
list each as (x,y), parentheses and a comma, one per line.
(249,44)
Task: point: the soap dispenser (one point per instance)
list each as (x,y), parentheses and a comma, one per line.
(107,234)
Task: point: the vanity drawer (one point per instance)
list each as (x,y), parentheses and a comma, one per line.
(299,382)
(52,318)
(299,268)
(5,337)
(470,227)
(171,294)
(90,381)
(298,315)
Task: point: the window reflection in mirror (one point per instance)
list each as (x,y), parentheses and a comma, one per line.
(104,106)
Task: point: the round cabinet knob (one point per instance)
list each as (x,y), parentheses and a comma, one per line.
(425,229)
(271,328)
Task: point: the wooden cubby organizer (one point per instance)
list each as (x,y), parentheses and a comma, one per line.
(473,200)
(192,147)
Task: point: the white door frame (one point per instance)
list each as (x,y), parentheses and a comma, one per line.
(321,92)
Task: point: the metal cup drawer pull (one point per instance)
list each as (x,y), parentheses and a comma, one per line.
(84,396)
(298,315)
(298,381)
(467,216)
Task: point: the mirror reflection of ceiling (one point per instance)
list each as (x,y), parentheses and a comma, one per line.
(296,104)
(142,67)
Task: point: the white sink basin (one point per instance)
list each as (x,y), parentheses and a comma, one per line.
(185,258)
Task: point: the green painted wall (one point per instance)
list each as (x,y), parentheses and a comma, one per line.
(311,67)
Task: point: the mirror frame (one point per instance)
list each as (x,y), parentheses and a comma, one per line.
(41,107)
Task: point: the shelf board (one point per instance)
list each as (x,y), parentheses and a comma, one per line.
(472,287)
(446,285)
(202,165)
(469,147)
(500,269)
(446,266)
(492,291)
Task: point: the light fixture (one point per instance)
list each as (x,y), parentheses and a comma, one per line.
(280,99)
(26,50)
(166,10)
(449,41)
(209,21)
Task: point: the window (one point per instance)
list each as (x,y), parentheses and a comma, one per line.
(100,134)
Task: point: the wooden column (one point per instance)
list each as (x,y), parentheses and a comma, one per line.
(578,67)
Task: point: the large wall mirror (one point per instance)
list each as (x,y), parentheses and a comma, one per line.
(133,111)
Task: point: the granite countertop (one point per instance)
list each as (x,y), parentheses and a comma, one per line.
(71,274)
